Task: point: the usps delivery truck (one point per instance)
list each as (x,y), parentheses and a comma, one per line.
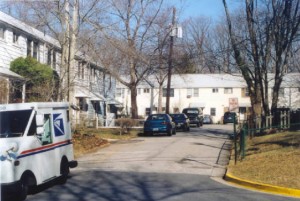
(35,146)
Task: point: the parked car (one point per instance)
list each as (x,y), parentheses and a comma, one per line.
(229,117)
(181,121)
(207,119)
(159,123)
(195,115)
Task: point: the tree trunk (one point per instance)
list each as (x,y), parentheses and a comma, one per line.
(160,97)
(71,63)
(134,109)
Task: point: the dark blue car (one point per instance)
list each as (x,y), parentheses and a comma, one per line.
(159,123)
(229,117)
(181,121)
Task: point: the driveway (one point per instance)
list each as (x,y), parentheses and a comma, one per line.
(187,166)
(202,151)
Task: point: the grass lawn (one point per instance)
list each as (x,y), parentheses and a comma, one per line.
(272,159)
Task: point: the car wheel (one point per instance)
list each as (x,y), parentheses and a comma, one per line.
(169,132)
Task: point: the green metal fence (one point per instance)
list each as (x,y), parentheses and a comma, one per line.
(242,132)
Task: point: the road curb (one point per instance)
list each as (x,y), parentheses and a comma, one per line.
(262,187)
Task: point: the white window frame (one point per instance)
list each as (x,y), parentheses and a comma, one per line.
(196,92)
(228,90)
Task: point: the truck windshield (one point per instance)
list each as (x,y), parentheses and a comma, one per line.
(13,123)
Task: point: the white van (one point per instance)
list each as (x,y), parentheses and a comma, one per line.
(35,146)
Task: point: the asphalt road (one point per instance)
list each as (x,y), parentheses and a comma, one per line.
(187,166)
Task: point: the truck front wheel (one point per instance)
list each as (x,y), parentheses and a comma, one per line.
(24,188)
(64,170)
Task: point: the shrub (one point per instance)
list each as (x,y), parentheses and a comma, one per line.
(125,124)
(41,80)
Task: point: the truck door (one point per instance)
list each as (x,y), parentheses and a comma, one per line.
(46,158)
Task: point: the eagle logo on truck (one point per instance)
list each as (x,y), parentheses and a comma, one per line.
(58,125)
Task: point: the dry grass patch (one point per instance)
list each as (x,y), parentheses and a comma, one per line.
(87,140)
(273,159)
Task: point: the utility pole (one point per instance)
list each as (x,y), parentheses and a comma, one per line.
(170,62)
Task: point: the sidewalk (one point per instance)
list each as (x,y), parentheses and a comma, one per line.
(261,187)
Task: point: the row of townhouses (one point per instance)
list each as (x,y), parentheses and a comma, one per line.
(214,93)
(93,88)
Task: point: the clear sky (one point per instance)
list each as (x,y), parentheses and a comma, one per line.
(209,8)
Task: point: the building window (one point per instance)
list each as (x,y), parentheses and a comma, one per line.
(120,92)
(29,47)
(227,90)
(196,92)
(83,104)
(15,37)
(95,74)
(91,73)
(147,90)
(189,92)
(245,92)
(82,70)
(35,51)
(213,111)
(215,90)
(54,60)
(2,32)
(171,92)
(49,57)
(78,69)
(281,92)
(192,92)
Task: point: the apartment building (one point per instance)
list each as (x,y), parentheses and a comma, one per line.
(92,88)
(214,93)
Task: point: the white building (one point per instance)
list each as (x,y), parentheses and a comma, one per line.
(93,88)
(215,93)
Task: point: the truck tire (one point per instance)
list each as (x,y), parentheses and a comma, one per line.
(24,188)
(64,170)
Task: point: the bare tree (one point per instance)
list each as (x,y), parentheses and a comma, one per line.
(63,20)
(271,29)
(196,38)
(125,44)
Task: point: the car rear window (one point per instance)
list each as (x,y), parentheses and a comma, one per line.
(157,117)
(177,116)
